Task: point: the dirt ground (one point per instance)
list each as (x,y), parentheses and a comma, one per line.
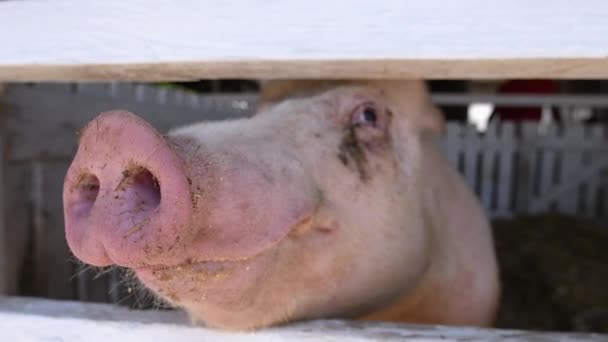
(554,272)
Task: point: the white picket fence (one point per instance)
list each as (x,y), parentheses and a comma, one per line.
(526,168)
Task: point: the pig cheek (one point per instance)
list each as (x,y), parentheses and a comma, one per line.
(406,147)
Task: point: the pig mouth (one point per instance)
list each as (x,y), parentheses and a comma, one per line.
(207,269)
(212,281)
(217,280)
(211,265)
(204,265)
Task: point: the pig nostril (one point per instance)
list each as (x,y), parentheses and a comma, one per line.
(147,186)
(87,189)
(138,194)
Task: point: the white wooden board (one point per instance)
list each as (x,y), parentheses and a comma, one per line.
(166,40)
(28,320)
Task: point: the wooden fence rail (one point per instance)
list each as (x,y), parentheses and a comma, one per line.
(38,320)
(71,40)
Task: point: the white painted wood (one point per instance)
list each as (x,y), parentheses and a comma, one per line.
(541,155)
(472,149)
(596,136)
(452,142)
(487,166)
(567,192)
(28,320)
(192,39)
(547,171)
(548,167)
(525,166)
(572,166)
(505,171)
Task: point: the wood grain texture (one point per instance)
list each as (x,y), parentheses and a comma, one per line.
(151,40)
(43,320)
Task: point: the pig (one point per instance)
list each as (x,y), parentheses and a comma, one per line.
(333,200)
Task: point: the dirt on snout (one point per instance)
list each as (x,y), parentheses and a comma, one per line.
(554,273)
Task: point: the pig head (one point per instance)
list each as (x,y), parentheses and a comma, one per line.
(332,201)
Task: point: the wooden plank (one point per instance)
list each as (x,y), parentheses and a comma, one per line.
(572,167)
(451,142)
(548,167)
(526,164)
(54,262)
(596,135)
(505,172)
(567,191)
(4,252)
(43,320)
(471,153)
(488,166)
(17,205)
(161,40)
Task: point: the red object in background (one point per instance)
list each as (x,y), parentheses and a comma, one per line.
(532,87)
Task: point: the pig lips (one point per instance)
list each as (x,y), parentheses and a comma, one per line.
(217,282)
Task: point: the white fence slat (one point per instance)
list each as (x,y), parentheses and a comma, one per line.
(471,149)
(122,40)
(571,165)
(505,172)
(525,166)
(548,163)
(452,142)
(565,188)
(490,140)
(38,320)
(595,136)
(487,177)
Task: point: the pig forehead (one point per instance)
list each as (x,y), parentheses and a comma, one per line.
(353,92)
(339,100)
(391,92)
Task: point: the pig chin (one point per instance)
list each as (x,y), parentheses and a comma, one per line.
(225,294)
(208,287)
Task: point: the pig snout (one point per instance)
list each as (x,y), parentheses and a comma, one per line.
(135,198)
(124,185)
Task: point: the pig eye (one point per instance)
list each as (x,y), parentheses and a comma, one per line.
(366,115)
